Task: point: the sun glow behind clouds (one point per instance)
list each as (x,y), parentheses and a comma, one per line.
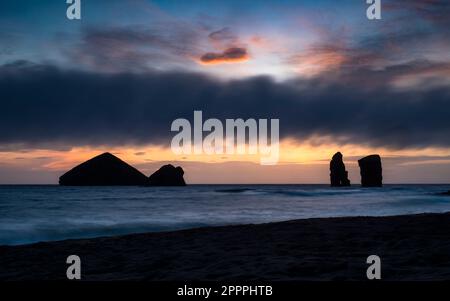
(283,39)
(309,65)
(311,152)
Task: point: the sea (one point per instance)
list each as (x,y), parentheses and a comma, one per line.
(31,213)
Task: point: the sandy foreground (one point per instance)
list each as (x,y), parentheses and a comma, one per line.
(412,247)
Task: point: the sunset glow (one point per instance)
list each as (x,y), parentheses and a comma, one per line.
(115,82)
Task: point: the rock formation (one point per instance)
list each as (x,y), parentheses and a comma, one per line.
(371,171)
(103,170)
(338,174)
(168,175)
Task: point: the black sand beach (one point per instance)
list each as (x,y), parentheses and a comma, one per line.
(413,247)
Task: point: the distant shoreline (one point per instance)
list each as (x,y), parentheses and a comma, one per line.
(411,247)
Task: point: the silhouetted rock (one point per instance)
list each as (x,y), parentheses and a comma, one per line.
(338,174)
(447,193)
(371,171)
(103,170)
(168,175)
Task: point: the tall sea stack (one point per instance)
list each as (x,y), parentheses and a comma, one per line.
(371,171)
(338,174)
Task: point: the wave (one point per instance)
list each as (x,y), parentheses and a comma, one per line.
(233,190)
(314,193)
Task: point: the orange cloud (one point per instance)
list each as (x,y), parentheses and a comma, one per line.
(316,62)
(230,55)
(431,76)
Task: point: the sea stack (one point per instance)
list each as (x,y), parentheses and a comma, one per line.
(103,170)
(338,174)
(371,171)
(168,175)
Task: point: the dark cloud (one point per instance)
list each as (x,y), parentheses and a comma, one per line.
(8,42)
(230,55)
(223,36)
(229,49)
(135,48)
(412,27)
(434,11)
(42,105)
(409,31)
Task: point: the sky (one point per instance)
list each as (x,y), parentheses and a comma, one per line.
(116,79)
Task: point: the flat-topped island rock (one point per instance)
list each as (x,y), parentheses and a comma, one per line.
(371,171)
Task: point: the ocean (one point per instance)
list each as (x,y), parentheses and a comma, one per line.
(31,214)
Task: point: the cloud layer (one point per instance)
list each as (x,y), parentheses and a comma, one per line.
(43,105)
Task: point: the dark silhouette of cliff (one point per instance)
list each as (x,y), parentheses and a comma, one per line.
(371,171)
(338,174)
(168,175)
(103,170)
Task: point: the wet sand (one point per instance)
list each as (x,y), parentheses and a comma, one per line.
(412,247)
